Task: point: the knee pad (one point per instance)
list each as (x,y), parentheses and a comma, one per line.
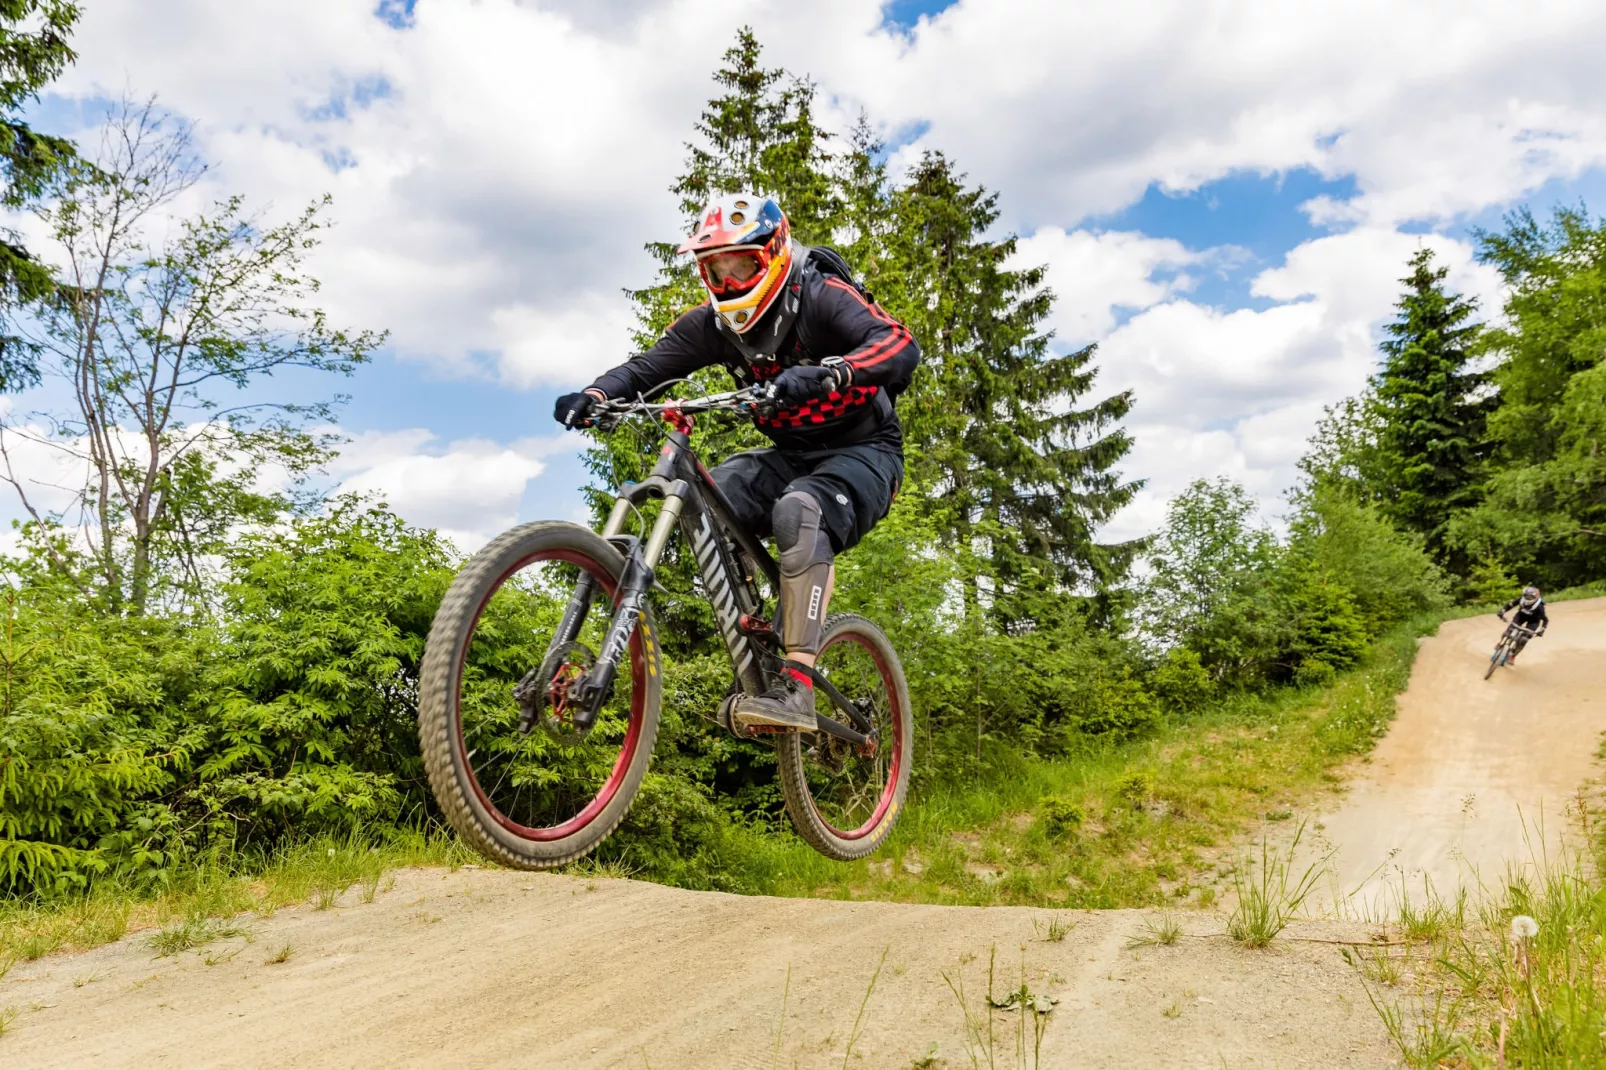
(805,560)
(799,535)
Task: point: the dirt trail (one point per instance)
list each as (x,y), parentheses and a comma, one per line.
(1469,762)
(488,968)
(496,969)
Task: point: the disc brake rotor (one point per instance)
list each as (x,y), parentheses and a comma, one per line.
(544,696)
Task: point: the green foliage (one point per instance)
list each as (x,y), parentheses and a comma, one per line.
(1181,681)
(314,706)
(95,728)
(1388,572)
(1490,582)
(1062,816)
(1544,509)
(1021,472)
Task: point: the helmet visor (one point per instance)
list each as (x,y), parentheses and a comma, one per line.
(732,271)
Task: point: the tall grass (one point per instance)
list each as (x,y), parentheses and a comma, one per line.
(1519,980)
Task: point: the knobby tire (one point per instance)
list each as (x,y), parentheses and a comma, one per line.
(447,760)
(791,750)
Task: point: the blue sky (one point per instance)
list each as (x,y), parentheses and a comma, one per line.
(1224,194)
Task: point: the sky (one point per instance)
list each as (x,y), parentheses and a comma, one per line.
(1225,194)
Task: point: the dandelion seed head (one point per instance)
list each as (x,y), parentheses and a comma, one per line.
(1523,927)
(331,852)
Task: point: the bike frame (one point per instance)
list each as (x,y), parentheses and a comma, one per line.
(695,504)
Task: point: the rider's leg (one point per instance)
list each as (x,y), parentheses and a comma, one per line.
(805,559)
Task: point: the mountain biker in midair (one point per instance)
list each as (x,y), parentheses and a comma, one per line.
(831,362)
(1530,613)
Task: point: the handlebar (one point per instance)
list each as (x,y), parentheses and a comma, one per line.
(741,402)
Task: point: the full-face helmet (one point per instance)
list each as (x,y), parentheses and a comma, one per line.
(744,256)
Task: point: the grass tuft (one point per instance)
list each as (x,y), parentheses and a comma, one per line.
(1165,933)
(192,932)
(1270,900)
(1055,930)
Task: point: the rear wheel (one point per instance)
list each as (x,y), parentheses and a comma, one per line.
(533,798)
(844,800)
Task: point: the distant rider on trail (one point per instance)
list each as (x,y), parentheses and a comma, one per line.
(832,362)
(1530,613)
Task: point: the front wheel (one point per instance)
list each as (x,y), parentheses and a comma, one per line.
(844,800)
(1496,659)
(522,795)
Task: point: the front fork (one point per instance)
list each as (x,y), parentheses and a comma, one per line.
(591,690)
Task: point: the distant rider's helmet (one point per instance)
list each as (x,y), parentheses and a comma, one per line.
(744,254)
(1530,597)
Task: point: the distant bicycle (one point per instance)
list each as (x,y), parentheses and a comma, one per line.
(1514,639)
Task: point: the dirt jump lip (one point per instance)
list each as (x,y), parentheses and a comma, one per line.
(1475,776)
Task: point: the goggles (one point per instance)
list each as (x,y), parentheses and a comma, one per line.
(733,271)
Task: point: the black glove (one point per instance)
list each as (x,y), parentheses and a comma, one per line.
(801,382)
(1541,631)
(1501,615)
(574,410)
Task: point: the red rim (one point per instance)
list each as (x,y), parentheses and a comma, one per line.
(627,749)
(895,705)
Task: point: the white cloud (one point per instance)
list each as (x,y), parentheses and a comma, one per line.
(468,489)
(1077,108)
(1237,393)
(1095,275)
(498,165)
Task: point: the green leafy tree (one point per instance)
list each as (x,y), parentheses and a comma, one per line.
(159,339)
(33,52)
(1544,513)
(1388,572)
(1432,405)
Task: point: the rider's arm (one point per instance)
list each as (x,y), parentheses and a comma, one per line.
(684,348)
(1543,619)
(878,350)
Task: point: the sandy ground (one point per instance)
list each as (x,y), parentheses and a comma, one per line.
(495,969)
(1476,775)
(487,968)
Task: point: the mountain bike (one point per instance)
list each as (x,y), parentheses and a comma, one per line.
(542,678)
(1515,637)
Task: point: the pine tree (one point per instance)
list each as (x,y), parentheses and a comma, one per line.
(29,161)
(1024,474)
(1432,406)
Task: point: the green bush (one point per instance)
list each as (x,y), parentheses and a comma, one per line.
(1061,816)
(1181,681)
(1135,788)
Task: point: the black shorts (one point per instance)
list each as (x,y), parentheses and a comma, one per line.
(854,486)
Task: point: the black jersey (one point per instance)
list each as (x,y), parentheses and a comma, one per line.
(833,320)
(1529,617)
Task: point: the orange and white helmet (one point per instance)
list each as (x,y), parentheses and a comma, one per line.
(744,255)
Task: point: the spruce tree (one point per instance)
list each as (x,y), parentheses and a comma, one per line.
(1023,470)
(30,58)
(1431,404)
